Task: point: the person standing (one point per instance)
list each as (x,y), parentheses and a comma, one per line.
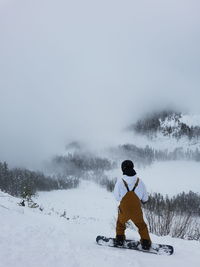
(131,192)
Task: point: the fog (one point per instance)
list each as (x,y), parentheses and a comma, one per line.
(84,70)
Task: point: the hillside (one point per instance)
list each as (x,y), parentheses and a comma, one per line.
(52,237)
(168,123)
(171,135)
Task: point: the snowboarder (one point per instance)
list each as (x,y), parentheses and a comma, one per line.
(131,192)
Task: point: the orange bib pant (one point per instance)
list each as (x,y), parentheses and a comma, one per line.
(130,209)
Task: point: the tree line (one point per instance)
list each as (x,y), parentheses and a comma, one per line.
(183,203)
(147,155)
(21,182)
(77,164)
(177,216)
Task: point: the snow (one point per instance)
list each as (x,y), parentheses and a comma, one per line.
(168,143)
(31,237)
(191,119)
(172,177)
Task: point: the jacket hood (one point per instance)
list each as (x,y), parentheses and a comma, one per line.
(129,172)
(129,179)
(127,167)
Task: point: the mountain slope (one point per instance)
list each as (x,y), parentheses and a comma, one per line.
(30,237)
(168,123)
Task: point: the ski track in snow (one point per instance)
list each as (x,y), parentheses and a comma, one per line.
(30,237)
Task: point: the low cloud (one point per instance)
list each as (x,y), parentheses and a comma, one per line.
(85,69)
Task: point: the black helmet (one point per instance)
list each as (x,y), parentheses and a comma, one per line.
(127,167)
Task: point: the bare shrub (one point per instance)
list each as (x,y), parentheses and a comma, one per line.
(184,226)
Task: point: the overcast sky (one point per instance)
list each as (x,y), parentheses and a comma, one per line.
(84,69)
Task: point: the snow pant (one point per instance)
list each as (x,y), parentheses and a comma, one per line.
(130,209)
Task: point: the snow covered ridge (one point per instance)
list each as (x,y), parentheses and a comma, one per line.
(168,123)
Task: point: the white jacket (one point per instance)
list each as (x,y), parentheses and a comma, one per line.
(120,189)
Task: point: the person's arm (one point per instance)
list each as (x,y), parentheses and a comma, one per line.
(144,202)
(116,191)
(145,195)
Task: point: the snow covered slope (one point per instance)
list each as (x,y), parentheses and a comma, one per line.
(63,234)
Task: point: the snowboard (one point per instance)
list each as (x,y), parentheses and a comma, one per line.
(159,249)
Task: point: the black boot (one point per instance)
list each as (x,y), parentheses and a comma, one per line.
(119,240)
(146,244)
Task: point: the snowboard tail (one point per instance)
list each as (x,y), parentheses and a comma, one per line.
(159,249)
